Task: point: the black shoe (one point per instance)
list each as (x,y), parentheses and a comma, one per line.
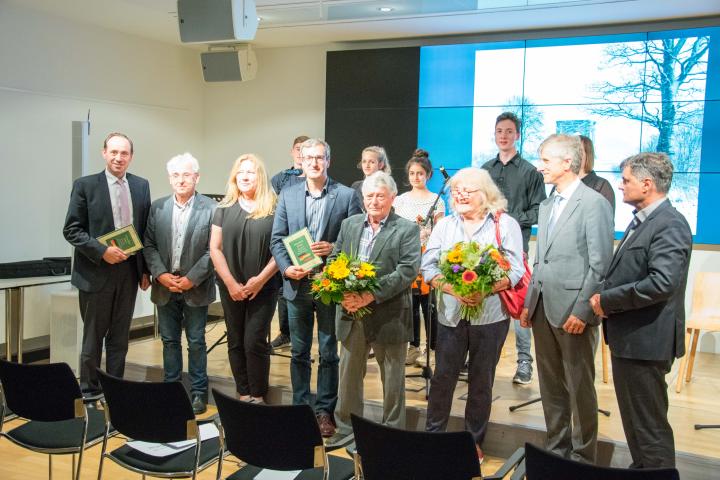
(198,404)
(280,341)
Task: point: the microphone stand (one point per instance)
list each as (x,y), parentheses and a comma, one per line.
(426,371)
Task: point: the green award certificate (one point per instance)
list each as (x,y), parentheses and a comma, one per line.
(126,239)
(298,247)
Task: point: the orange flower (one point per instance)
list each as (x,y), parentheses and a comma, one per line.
(325,282)
(504,264)
(469,276)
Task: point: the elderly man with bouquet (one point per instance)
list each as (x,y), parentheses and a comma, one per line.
(369,273)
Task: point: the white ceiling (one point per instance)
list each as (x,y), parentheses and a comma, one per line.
(301,22)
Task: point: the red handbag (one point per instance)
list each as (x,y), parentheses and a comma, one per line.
(513,298)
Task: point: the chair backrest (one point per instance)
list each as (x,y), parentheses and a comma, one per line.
(278,437)
(387,452)
(45,393)
(705,294)
(543,465)
(147,411)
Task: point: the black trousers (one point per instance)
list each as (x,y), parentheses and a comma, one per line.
(283,314)
(106,315)
(484,345)
(248,325)
(643,400)
(423,301)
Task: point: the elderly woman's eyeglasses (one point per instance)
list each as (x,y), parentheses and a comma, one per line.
(462,192)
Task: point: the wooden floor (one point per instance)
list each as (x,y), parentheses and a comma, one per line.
(697,403)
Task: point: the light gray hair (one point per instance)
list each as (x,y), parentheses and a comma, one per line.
(570,147)
(653,165)
(314,142)
(175,162)
(377,180)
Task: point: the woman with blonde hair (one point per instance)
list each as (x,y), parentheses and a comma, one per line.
(240,251)
(372,159)
(477,205)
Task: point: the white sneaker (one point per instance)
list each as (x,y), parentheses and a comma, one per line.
(422,359)
(412,355)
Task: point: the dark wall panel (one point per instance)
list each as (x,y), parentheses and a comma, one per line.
(371,99)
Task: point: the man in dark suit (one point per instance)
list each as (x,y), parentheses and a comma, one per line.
(177,253)
(643,302)
(574,247)
(106,277)
(320,204)
(393,245)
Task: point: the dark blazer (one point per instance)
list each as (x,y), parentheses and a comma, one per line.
(342,202)
(195,261)
(644,291)
(396,253)
(570,264)
(90,216)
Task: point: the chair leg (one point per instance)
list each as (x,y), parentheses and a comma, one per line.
(72,471)
(691,360)
(49,467)
(605,355)
(683,362)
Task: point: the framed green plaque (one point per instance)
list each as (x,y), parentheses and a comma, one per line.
(126,239)
(298,247)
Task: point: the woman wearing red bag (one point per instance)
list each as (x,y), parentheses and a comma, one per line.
(476,201)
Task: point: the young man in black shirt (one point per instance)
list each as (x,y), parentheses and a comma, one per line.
(523,187)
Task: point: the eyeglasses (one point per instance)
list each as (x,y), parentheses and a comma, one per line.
(462,193)
(311,159)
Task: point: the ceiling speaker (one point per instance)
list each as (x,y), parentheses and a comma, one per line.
(208,21)
(233,66)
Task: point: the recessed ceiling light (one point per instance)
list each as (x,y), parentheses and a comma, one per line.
(386,9)
(259,19)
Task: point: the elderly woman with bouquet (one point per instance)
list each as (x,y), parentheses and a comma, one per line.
(471,256)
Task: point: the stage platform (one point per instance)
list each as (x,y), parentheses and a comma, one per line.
(698,451)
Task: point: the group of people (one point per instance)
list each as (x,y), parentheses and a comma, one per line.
(191,243)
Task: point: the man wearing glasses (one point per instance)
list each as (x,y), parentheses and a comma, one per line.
(178,256)
(523,188)
(319,204)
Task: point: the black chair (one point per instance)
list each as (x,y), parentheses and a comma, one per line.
(543,465)
(384,452)
(276,437)
(58,420)
(155,412)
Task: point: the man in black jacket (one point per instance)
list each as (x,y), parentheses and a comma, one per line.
(106,277)
(643,302)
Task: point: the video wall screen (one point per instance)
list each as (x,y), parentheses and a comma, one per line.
(657,91)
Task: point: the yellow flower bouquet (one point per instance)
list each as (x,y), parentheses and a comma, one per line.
(345,274)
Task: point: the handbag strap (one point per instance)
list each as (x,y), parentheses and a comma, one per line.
(496,218)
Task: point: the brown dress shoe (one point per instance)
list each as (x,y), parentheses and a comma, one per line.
(327,429)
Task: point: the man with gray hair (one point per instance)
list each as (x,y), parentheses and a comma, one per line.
(574,247)
(392,244)
(643,306)
(178,256)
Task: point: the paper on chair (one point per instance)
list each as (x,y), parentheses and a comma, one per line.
(207,431)
(277,474)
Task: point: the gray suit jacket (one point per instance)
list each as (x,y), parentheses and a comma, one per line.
(644,291)
(396,253)
(195,261)
(342,202)
(570,265)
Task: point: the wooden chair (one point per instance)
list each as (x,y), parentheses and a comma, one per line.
(704,315)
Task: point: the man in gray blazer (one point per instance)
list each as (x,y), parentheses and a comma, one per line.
(319,204)
(643,300)
(393,245)
(574,247)
(177,253)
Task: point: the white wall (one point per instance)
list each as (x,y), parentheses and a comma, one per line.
(52,71)
(264,115)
